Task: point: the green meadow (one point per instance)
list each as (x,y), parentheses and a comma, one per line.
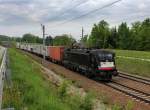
(134,64)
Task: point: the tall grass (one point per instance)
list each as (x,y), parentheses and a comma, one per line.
(30,90)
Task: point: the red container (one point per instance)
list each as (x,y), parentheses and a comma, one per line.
(56,52)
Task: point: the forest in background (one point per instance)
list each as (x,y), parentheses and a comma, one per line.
(135,37)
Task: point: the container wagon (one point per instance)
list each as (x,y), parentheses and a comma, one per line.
(56,53)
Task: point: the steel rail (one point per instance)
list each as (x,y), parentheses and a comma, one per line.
(135,78)
(140,95)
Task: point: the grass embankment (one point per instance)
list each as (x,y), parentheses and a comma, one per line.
(135,64)
(30,90)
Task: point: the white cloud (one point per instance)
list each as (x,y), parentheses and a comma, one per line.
(142,6)
(20,16)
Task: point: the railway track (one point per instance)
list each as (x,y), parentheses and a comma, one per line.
(135,78)
(134,93)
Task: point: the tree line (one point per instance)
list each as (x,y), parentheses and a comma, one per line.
(135,37)
(63,40)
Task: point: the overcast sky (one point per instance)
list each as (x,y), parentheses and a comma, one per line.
(25,16)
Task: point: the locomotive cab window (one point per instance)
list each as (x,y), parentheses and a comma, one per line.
(105,57)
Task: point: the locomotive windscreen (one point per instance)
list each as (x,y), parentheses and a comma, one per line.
(105,56)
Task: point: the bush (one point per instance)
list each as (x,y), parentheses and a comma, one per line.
(62,91)
(87,102)
(74,101)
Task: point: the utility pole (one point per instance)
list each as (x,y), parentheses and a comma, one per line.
(43,30)
(82,42)
(82,32)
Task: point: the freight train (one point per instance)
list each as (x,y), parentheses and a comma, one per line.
(96,63)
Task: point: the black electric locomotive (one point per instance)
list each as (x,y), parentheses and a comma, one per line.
(92,63)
